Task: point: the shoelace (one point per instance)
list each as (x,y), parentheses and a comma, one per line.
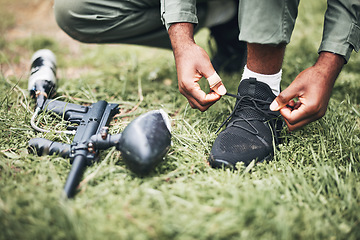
(248,102)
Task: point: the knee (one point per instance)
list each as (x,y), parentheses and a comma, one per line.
(65,12)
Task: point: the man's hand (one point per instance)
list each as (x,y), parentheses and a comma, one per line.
(193,63)
(313,88)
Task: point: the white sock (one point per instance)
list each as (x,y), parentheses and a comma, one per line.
(273,80)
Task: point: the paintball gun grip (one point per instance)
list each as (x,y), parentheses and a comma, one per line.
(43,146)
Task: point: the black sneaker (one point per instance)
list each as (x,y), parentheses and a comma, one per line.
(231,54)
(252,128)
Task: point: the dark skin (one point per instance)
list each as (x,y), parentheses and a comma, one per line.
(192,63)
(265,59)
(313,89)
(312,86)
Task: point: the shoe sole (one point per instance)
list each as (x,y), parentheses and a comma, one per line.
(219,163)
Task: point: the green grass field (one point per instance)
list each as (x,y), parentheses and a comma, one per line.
(311,190)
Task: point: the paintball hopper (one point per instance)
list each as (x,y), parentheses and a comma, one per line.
(145,141)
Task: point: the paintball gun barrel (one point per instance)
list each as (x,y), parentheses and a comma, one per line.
(143,143)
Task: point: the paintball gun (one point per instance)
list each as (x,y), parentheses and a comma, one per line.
(143,143)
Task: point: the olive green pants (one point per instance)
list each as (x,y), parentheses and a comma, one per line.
(139,21)
(106,21)
(267,21)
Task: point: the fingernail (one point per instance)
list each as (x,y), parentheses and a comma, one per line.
(274,105)
(221,90)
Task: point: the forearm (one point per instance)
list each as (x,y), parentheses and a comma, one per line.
(329,65)
(181,36)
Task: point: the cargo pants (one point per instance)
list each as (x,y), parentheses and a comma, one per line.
(260,21)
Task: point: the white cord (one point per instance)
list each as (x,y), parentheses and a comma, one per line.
(34,126)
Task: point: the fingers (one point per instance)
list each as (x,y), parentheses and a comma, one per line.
(295,117)
(216,84)
(202,101)
(296,125)
(198,99)
(284,98)
(193,64)
(295,114)
(301,114)
(196,105)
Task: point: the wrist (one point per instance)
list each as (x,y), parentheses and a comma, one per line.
(181,35)
(330,62)
(329,65)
